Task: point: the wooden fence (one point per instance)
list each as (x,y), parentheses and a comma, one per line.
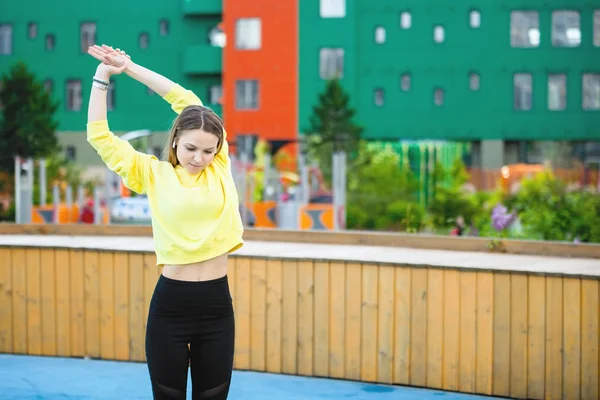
(508,334)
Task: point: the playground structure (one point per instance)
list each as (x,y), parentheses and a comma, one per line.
(268,198)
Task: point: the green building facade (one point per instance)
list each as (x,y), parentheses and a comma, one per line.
(499,74)
(52,38)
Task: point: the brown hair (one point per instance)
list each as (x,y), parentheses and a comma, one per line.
(193,117)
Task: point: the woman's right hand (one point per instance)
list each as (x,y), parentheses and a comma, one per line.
(109,56)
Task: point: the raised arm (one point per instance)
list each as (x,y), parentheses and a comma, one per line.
(118,155)
(177,96)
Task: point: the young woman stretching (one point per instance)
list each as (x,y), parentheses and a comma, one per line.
(195,224)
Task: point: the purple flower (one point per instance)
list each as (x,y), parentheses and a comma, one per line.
(501,219)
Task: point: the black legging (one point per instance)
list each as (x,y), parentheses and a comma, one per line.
(199,314)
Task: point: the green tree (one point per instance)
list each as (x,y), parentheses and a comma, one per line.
(450,199)
(332,128)
(382,193)
(27,124)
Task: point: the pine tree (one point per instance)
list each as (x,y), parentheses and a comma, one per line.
(332,128)
(27,125)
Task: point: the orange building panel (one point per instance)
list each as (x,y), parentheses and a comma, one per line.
(274,65)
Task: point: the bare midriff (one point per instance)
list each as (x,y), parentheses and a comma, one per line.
(202,271)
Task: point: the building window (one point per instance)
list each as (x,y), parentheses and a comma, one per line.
(217,37)
(405,80)
(50,42)
(48,84)
(379,34)
(405,20)
(438,97)
(246,95)
(597,28)
(524,29)
(32,30)
(474,81)
(247,33)
(71,153)
(74,95)
(150,92)
(87,35)
(591,91)
(566,30)
(331,63)
(215,94)
(333,8)
(379,97)
(163,27)
(475,19)
(5,39)
(523,91)
(438,34)
(557,92)
(110,97)
(144,40)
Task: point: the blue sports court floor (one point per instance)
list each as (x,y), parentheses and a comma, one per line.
(48,378)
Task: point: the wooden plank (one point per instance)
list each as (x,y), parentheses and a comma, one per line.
(572,338)
(518,336)
(92,304)
(554,338)
(451,330)
(34,296)
(107,305)
(121,305)
(274,314)
(19,301)
(63,302)
(150,279)
(243,298)
(48,305)
(337,318)
(402,325)
(485,333)
(258,320)
(369,328)
(385,332)
(590,339)
(418,324)
(289,340)
(435,327)
(305,317)
(6,301)
(536,313)
(468,332)
(136,307)
(322,319)
(77,305)
(501,346)
(353,320)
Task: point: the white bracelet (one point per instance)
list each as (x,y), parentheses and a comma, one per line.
(100,81)
(99,85)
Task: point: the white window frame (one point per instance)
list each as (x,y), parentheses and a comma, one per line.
(247,92)
(87,35)
(475,19)
(596,29)
(110,97)
(524,28)
(331,63)
(439,34)
(380,34)
(563,35)
(6,39)
(215,93)
(50,41)
(332,8)
(74,94)
(144,40)
(379,97)
(557,92)
(590,85)
(248,33)
(405,20)
(523,91)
